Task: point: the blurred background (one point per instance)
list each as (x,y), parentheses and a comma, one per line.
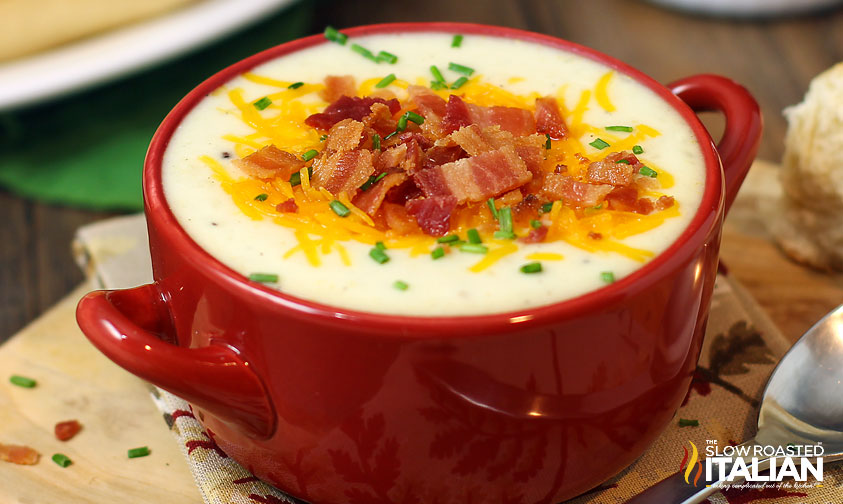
(82,91)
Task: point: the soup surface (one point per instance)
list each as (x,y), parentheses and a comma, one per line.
(538,246)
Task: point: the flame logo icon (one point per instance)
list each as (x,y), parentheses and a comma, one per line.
(691,464)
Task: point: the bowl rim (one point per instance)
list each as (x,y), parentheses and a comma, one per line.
(166,225)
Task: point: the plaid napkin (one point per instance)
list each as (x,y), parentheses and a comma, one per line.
(741,349)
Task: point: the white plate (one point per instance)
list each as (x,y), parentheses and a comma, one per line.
(101,58)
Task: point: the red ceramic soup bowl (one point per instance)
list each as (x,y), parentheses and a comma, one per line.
(334,406)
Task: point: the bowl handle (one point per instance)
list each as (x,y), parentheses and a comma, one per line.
(742,134)
(128,326)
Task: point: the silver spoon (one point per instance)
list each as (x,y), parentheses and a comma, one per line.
(802,405)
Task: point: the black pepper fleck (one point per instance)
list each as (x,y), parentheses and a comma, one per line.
(226,155)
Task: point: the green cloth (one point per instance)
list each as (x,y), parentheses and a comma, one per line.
(87,150)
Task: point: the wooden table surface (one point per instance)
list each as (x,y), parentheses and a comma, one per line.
(774,58)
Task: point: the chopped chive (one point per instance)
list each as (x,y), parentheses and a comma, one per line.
(491,203)
(307,156)
(385,81)
(22,381)
(295,179)
(437,253)
(547,142)
(388,57)
(401,285)
(474,248)
(416,118)
(402,123)
(533,267)
(368,184)
(505,235)
(599,144)
(376,142)
(622,161)
(547,207)
(459,83)
(637,149)
(607,276)
(648,172)
(435,84)
(379,177)
(387,137)
(597,207)
(685,422)
(61,459)
(378,255)
(339,208)
(261,197)
(264,277)
(474,236)
(262,103)
(456,67)
(380,245)
(535,223)
(323,138)
(143,451)
(627,129)
(333,35)
(364,52)
(437,75)
(448,239)
(295,85)
(456,41)
(505,219)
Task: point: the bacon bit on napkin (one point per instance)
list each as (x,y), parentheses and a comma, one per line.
(18,454)
(66,430)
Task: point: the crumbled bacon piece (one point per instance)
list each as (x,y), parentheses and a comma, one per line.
(370,200)
(561,186)
(66,430)
(344,135)
(535,235)
(611,171)
(439,155)
(548,118)
(476,178)
(398,219)
(456,115)
(343,171)
(626,199)
(510,198)
(433,214)
(18,454)
(595,236)
(517,121)
(380,119)
(347,107)
(664,202)
(390,158)
(288,206)
(337,86)
(270,162)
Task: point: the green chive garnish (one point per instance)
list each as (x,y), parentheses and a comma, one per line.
(685,422)
(597,207)
(378,255)
(143,451)
(456,41)
(22,381)
(307,156)
(402,123)
(437,253)
(607,276)
(387,137)
(416,118)
(401,285)
(474,236)
(474,248)
(547,207)
(438,85)
(388,57)
(376,142)
(385,81)
(261,197)
(437,75)
(627,129)
(264,277)
(364,52)
(339,208)
(622,161)
(648,172)
(535,223)
(295,179)
(448,239)
(505,219)
(467,71)
(323,138)
(380,245)
(505,235)
(637,149)
(459,83)
(295,85)
(533,267)
(599,144)
(262,103)
(62,459)
(491,203)
(333,35)
(547,142)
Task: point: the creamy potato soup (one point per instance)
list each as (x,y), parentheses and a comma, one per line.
(427,174)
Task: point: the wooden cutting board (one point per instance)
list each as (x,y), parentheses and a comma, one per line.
(76,382)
